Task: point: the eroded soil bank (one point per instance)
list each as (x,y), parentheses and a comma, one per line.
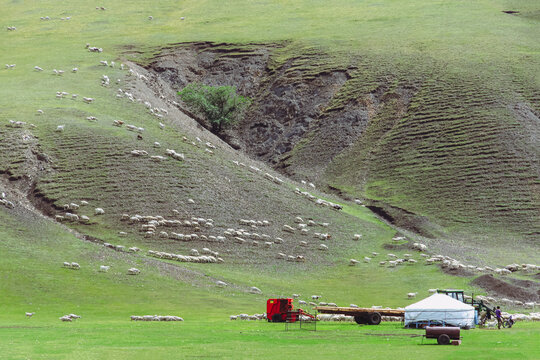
(445,148)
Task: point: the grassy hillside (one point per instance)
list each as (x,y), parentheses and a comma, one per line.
(42,169)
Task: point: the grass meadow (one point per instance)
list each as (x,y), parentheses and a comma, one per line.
(90,163)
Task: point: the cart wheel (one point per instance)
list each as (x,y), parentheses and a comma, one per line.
(443,339)
(360,319)
(374,318)
(507,324)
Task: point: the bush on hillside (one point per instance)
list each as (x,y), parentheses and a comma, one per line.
(221,105)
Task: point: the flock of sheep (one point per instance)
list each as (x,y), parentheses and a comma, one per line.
(102,268)
(150,224)
(156,318)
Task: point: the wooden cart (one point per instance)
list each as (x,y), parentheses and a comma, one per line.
(361,315)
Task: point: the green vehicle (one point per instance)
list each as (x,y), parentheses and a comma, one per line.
(478,305)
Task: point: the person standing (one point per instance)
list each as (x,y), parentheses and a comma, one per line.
(499,317)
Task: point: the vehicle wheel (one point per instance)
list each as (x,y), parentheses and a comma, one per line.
(507,324)
(443,339)
(374,318)
(277,318)
(360,319)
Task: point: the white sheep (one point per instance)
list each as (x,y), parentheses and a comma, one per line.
(288,228)
(411,295)
(323,247)
(30,314)
(60,128)
(133,271)
(99,211)
(104,268)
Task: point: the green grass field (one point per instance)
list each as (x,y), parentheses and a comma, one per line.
(219,339)
(91,161)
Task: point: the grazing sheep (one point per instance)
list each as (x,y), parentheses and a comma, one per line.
(99,211)
(29,314)
(255,290)
(133,271)
(411,295)
(60,128)
(357,237)
(419,247)
(288,228)
(323,247)
(221,283)
(138,152)
(104,268)
(353,262)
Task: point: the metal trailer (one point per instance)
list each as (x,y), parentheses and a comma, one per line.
(362,315)
(445,335)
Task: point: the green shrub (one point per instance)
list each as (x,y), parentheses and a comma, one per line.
(221,105)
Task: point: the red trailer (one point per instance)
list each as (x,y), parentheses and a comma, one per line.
(282,310)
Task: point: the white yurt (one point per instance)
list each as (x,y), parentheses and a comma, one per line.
(440,309)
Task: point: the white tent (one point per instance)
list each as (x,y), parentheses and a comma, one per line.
(440,308)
